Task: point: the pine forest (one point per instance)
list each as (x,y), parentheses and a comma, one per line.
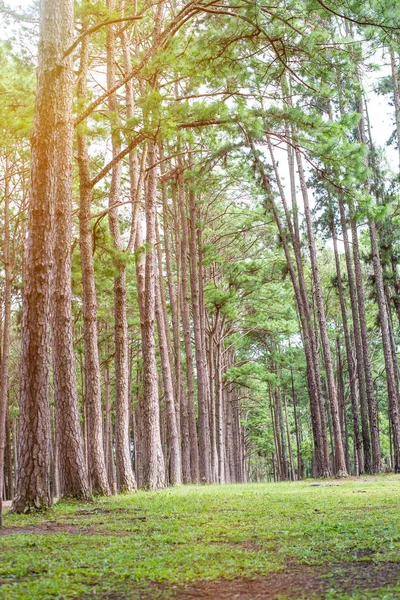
(199,259)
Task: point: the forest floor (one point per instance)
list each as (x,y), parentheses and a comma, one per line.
(311,539)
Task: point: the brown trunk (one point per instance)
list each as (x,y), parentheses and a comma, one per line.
(174,306)
(333,399)
(201,360)
(173,444)
(211,370)
(125,476)
(153,459)
(185,314)
(292,471)
(34,447)
(349,355)
(108,433)
(9,460)
(275,430)
(72,469)
(363,363)
(396,96)
(297,429)
(95,449)
(281,428)
(6,329)
(140,283)
(391,382)
(322,458)
(220,412)
(342,403)
(164,340)
(373,417)
(318,423)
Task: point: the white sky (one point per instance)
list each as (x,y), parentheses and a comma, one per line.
(18,3)
(381,115)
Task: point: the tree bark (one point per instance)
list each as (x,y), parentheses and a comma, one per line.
(339,451)
(317,420)
(153,460)
(185,315)
(125,476)
(396,96)
(201,361)
(220,412)
(96,460)
(349,355)
(6,328)
(72,469)
(174,306)
(173,436)
(391,381)
(34,448)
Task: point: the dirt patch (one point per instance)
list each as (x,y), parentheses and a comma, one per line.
(299,581)
(324,485)
(361,553)
(104,596)
(364,575)
(249,546)
(106,511)
(48,528)
(145,591)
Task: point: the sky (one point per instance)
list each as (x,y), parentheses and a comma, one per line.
(18,3)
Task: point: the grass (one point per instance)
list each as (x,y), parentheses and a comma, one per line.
(149,544)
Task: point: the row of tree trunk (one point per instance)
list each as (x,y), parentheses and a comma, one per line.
(185,424)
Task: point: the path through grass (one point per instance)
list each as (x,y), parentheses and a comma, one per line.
(331,539)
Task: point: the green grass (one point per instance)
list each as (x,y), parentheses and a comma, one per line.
(121,545)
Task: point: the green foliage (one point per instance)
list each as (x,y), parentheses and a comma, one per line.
(16,96)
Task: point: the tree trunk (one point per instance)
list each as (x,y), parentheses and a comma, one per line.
(322,456)
(125,476)
(396,96)
(96,460)
(297,429)
(220,412)
(317,420)
(174,306)
(339,451)
(349,355)
(391,382)
(201,361)
(373,417)
(363,362)
(108,432)
(140,284)
(292,471)
(6,329)
(185,314)
(34,447)
(72,469)
(153,460)
(173,437)
(9,459)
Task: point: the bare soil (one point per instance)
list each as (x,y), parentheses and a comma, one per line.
(296,581)
(48,528)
